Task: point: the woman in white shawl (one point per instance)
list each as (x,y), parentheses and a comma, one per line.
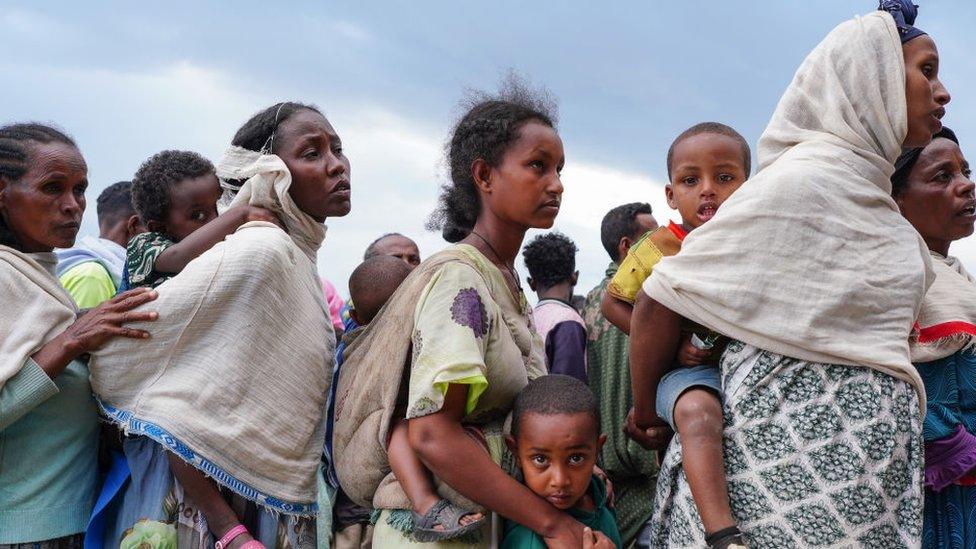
(48,419)
(817,279)
(236,378)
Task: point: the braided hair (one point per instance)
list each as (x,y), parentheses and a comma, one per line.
(15,159)
(488,128)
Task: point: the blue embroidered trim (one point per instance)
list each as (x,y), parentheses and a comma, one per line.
(137,426)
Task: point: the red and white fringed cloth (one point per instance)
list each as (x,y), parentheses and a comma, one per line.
(947,321)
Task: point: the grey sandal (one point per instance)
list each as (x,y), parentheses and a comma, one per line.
(447,515)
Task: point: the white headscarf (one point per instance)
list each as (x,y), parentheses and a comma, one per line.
(267,181)
(811,258)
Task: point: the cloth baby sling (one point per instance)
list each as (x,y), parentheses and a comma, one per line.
(376,365)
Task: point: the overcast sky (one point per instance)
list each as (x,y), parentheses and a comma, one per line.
(128,79)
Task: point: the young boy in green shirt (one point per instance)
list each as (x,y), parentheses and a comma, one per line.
(556,440)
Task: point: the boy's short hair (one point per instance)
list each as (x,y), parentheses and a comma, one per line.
(115,203)
(555,394)
(716,128)
(620,222)
(373,282)
(550,258)
(156,177)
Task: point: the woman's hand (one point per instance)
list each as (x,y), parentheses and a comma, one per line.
(568,535)
(596,540)
(92,330)
(688,354)
(654,437)
(257,213)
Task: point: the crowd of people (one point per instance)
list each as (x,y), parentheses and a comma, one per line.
(783,364)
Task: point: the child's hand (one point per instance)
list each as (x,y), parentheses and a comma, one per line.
(602,475)
(596,540)
(256,213)
(689,355)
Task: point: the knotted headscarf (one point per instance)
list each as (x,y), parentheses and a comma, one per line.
(904,13)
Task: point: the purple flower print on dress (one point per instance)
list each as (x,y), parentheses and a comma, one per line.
(469,311)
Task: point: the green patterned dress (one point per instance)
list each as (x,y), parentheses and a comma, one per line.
(631,468)
(817,455)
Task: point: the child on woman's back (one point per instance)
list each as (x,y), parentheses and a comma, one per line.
(175,194)
(706,164)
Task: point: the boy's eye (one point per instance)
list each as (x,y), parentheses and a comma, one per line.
(577,459)
(539,460)
(538,164)
(198,215)
(690,180)
(725,178)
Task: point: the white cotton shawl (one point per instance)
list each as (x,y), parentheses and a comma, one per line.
(35,307)
(811,258)
(236,374)
(947,321)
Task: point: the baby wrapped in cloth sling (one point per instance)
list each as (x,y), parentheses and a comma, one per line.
(235,376)
(378,367)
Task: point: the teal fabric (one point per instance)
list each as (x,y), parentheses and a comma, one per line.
(48,452)
(601,519)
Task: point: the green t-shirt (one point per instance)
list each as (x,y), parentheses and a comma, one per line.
(601,518)
(89,284)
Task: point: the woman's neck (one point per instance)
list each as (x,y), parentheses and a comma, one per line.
(502,240)
(938,245)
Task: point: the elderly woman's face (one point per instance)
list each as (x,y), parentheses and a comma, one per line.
(312,150)
(44,208)
(924,92)
(938,198)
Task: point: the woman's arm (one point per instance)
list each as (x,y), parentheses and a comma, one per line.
(653,345)
(95,328)
(32,385)
(455,458)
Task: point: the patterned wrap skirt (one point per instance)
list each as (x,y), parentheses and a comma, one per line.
(816,455)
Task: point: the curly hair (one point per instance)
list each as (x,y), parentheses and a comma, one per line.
(257,134)
(156,177)
(550,258)
(718,129)
(554,395)
(15,158)
(620,222)
(488,128)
